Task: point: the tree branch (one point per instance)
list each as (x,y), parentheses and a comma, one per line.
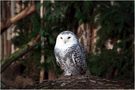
(5,63)
(27,11)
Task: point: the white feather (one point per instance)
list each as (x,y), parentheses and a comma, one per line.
(64,48)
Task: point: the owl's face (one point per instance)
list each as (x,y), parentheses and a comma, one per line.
(66,39)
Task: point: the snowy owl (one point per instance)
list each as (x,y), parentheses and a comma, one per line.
(69,54)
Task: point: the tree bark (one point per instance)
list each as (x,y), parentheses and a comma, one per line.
(5,63)
(51,74)
(83,32)
(27,11)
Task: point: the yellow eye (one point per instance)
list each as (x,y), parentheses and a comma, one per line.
(61,38)
(69,37)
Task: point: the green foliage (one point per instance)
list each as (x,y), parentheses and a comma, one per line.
(116,21)
(22,36)
(116,24)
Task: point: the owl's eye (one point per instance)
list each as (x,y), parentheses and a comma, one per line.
(69,37)
(61,38)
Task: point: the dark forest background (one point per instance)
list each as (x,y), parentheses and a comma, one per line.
(106,29)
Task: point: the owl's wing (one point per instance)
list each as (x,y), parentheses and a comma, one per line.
(58,58)
(78,57)
(56,53)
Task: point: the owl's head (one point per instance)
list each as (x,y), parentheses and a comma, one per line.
(66,38)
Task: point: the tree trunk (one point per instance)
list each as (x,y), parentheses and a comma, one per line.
(12,28)
(42,61)
(51,74)
(5,38)
(87,36)
(83,33)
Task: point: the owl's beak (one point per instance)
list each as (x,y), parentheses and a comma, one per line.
(65,41)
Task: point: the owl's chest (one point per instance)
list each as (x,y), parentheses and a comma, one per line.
(65,52)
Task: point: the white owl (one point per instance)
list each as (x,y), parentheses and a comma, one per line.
(69,54)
